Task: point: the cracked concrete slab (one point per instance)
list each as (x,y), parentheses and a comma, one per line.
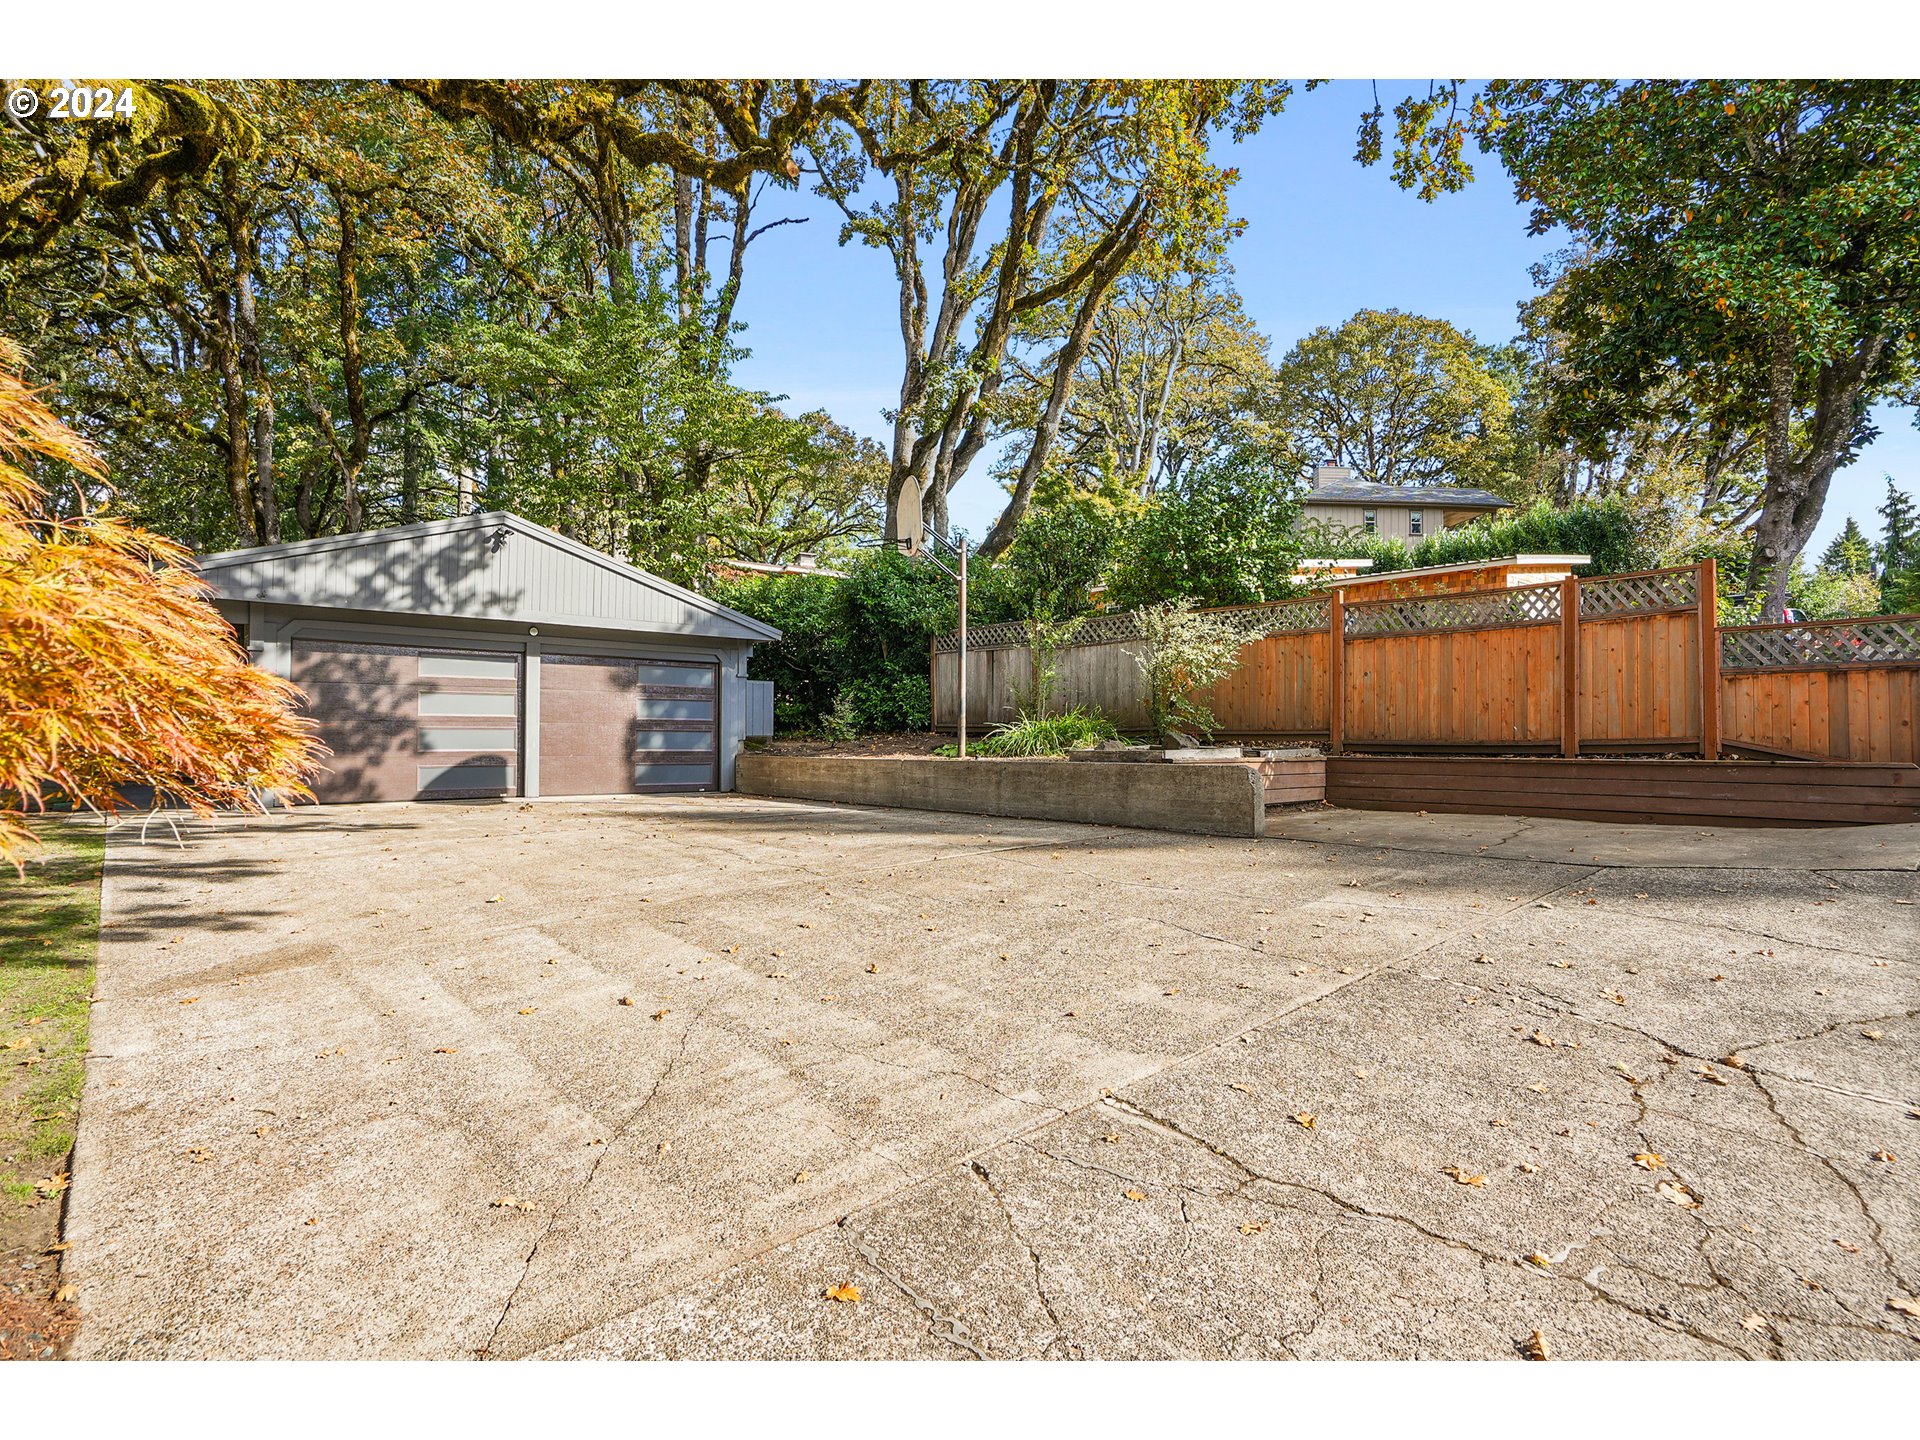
(365,1085)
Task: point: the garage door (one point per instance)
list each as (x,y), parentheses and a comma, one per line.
(611,726)
(407,724)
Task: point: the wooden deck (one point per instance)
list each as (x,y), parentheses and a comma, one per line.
(1666,792)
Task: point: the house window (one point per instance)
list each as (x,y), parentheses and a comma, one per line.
(1368,521)
(1413,522)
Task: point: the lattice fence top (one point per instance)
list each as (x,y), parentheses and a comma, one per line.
(1894,640)
(1639,594)
(1253,621)
(1280,618)
(1012,634)
(1474,610)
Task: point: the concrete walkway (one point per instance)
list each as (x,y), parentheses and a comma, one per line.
(365,1085)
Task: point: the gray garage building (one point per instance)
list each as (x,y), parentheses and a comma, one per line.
(489,656)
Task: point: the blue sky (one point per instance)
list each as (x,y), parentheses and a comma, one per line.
(1324,238)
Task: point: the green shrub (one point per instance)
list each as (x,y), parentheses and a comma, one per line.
(842,721)
(857,647)
(1610,530)
(1183,651)
(1227,535)
(1074,729)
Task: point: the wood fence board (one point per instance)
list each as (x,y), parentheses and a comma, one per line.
(1642,664)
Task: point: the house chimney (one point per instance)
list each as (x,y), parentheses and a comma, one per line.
(1328,473)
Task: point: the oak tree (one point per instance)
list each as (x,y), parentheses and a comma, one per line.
(1751,242)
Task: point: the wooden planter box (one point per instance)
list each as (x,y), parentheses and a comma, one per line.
(1670,792)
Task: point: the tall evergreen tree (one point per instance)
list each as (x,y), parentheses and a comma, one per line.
(1899,531)
(1851,553)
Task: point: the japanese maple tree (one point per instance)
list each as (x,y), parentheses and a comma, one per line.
(115,670)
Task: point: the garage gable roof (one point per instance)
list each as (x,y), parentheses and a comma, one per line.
(487,566)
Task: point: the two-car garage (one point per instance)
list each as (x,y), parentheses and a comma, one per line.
(487,657)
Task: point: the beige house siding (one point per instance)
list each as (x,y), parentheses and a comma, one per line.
(1395,520)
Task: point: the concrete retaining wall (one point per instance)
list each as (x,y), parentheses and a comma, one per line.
(1195,799)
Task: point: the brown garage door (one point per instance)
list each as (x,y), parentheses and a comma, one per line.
(406,723)
(611,726)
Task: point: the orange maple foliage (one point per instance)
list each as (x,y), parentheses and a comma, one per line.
(115,671)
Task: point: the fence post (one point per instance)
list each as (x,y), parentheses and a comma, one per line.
(1570,666)
(1708,587)
(1336,671)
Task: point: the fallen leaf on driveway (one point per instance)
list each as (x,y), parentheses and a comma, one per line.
(192,998)
(1236,1085)
(1112,1137)
(1541,1038)
(496,899)
(1136,1195)
(1679,1194)
(1614,995)
(626,999)
(1304,1120)
(1535,1347)
(1253,1227)
(1885,1157)
(1754,1322)
(1464,1177)
(845,1294)
(803,1177)
(1647,1160)
(1870,1034)
(1905,1306)
(1850,1249)
(1174,991)
(1537,1088)
(530,1009)
(661,1014)
(1539,1260)
(446,1049)
(512,1202)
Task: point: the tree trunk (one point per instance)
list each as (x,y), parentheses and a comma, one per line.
(409,462)
(1066,371)
(361,439)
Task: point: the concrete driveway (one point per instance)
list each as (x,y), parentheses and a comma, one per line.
(367,1084)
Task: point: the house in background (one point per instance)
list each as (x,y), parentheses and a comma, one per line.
(1407,512)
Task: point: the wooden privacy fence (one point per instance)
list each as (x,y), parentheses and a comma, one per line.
(1622,663)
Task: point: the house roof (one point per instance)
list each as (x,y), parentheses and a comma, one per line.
(1367,492)
(492,565)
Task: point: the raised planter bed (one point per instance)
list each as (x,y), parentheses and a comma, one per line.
(1669,792)
(1211,799)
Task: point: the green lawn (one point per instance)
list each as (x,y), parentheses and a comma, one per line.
(49,933)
